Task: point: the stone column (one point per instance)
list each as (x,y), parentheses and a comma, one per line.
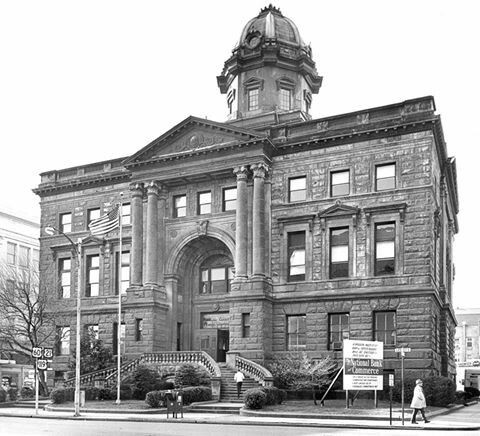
(162,201)
(151,273)
(241,223)
(137,234)
(258,219)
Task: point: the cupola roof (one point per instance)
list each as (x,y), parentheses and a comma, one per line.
(270,25)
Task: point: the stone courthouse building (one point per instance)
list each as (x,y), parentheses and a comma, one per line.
(269,232)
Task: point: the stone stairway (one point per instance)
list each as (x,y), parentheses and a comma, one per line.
(228,389)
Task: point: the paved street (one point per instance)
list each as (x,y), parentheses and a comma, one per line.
(34,427)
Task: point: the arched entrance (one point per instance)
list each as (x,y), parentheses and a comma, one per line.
(204,270)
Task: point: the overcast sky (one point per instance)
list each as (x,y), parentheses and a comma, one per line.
(85,81)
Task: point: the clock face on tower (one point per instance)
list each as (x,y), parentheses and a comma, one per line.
(253,40)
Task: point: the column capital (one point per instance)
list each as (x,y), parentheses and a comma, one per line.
(136,189)
(153,188)
(259,170)
(241,172)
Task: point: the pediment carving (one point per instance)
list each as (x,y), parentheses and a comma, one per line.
(339,209)
(191,135)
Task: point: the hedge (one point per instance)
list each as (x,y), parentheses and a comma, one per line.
(3,396)
(255,398)
(27,392)
(439,391)
(62,395)
(274,395)
(191,394)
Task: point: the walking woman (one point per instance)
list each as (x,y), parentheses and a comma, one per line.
(418,402)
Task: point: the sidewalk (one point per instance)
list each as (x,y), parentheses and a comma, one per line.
(245,418)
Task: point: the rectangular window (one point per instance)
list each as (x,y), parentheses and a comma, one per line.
(123,280)
(93,276)
(36,259)
(436,343)
(215,280)
(253,99)
(339,329)
(24,256)
(384,249)
(296,332)
(138,329)
(339,183)
(91,330)
(179,206)
(245,325)
(229,199)
(204,203)
(65,277)
(63,341)
(297,189)
(469,343)
(115,338)
(92,214)
(385,327)
(126,214)
(339,252)
(11,253)
(66,222)
(285,99)
(296,256)
(385,177)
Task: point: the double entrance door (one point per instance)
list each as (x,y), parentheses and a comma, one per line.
(215,342)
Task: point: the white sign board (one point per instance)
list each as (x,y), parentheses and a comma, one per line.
(362,365)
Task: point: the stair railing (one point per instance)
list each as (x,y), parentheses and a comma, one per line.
(259,373)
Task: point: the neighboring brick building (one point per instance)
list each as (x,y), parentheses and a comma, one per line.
(19,252)
(271,232)
(467,337)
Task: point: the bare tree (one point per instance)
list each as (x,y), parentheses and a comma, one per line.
(26,318)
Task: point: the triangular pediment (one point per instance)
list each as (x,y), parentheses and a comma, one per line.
(191,135)
(338,209)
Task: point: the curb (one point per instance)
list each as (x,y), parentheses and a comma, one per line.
(250,423)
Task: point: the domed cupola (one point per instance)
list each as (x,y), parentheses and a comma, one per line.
(270,77)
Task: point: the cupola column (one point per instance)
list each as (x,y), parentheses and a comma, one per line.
(241,232)
(151,273)
(258,219)
(137,234)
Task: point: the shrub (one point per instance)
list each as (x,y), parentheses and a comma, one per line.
(255,399)
(156,399)
(460,397)
(3,396)
(91,393)
(27,392)
(144,380)
(274,395)
(472,392)
(194,394)
(13,394)
(297,371)
(106,394)
(190,374)
(125,393)
(439,391)
(58,396)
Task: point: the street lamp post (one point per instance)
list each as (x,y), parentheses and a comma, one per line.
(77,248)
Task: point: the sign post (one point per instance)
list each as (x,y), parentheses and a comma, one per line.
(402,351)
(36,353)
(363,366)
(391,383)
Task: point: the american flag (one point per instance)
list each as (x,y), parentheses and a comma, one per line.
(106,223)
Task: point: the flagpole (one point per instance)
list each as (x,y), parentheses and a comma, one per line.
(119,325)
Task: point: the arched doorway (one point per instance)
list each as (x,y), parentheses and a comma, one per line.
(204,271)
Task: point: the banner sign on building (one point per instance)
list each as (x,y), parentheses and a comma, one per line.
(362,365)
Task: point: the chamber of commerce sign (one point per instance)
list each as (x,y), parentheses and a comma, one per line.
(362,365)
